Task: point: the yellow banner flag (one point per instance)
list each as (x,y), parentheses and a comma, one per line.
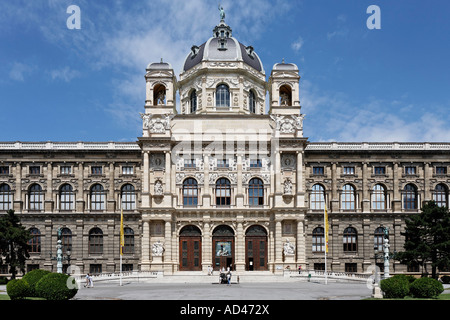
(122,238)
(326,228)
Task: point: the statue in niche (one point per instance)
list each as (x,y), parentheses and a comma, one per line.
(284,99)
(158,188)
(288,248)
(158,249)
(287,186)
(161,97)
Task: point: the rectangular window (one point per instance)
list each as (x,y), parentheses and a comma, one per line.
(349,170)
(127,170)
(222,163)
(66,169)
(96,170)
(351,267)
(441,170)
(318,170)
(35,170)
(189,163)
(410,170)
(4,170)
(255,163)
(379,170)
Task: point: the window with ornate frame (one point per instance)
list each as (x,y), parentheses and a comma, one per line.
(252,102)
(317,197)
(348,197)
(223,192)
(35,198)
(410,197)
(128,241)
(95,241)
(222,96)
(190,192)
(35,241)
(66,198)
(378,197)
(440,195)
(255,192)
(128,197)
(97,197)
(6,197)
(193,101)
(350,240)
(318,240)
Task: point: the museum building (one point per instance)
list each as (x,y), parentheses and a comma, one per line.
(219,181)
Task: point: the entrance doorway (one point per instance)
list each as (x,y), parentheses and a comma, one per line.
(190,249)
(256,248)
(223,247)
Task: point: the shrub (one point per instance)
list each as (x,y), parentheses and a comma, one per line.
(17,289)
(395,287)
(53,286)
(32,278)
(426,288)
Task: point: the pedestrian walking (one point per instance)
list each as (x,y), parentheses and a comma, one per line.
(229,277)
(91,281)
(86,285)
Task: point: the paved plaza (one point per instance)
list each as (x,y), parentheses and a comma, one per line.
(214,291)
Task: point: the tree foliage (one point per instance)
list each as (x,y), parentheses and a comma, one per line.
(427,239)
(13,243)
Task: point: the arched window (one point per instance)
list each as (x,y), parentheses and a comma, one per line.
(66,198)
(128,196)
(223,192)
(410,197)
(66,240)
(193,99)
(95,241)
(252,102)
(35,241)
(128,240)
(348,197)
(379,197)
(35,198)
(222,96)
(378,239)
(256,192)
(190,192)
(5,197)
(317,197)
(318,240)
(97,197)
(440,195)
(350,240)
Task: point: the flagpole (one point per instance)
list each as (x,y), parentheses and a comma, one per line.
(121,244)
(325,223)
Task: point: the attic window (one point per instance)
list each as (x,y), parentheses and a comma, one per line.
(194,50)
(222,44)
(249,50)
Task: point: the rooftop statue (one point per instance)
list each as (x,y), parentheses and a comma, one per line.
(222,13)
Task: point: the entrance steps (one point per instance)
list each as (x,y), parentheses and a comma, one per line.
(200,277)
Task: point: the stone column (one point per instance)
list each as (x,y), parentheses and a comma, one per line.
(240,245)
(206,244)
(301,245)
(397,201)
(111,201)
(145,264)
(168,247)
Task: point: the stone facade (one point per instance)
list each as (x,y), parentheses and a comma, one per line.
(220,183)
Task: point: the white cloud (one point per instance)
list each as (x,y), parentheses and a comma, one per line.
(19,71)
(66,74)
(298,44)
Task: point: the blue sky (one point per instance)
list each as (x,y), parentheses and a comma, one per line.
(357,84)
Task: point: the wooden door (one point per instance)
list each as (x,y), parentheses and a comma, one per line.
(256,253)
(190,253)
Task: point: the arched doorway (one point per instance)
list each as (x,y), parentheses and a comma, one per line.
(256,248)
(223,247)
(190,248)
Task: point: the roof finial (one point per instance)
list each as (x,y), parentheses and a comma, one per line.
(222,13)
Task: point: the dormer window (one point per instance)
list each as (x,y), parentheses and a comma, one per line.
(193,99)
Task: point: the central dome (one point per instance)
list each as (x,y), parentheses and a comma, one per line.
(222,47)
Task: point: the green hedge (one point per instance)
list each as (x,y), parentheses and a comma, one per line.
(32,278)
(395,287)
(426,288)
(17,289)
(53,286)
